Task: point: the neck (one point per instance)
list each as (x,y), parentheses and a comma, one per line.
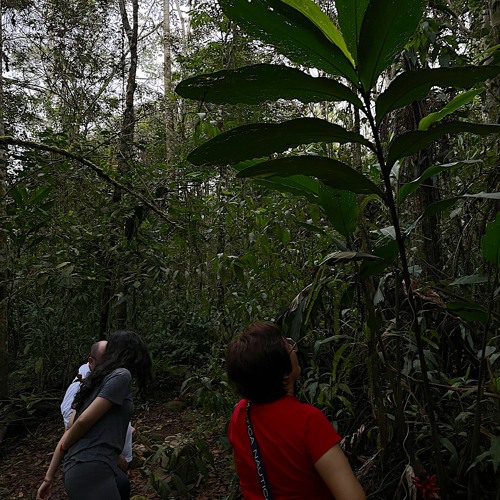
(290,388)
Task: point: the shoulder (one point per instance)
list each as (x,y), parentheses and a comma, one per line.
(303,412)
(239,409)
(84,370)
(119,373)
(241,405)
(291,402)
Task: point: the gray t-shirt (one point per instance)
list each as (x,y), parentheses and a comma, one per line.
(104,440)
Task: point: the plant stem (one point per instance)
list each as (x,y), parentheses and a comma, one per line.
(473,483)
(390,202)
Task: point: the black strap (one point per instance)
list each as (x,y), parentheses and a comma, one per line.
(266,490)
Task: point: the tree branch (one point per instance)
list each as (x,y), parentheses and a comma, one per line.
(97,170)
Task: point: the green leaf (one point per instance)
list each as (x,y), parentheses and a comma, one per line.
(298,185)
(473,279)
(387,26)
(411,142)
(487,196)
(457,102)
(415,85)
(17,196)
(495,452)
(387,252)
(470,311)
(340,207)
(350,18)
(292,33)
(262,139)
(344,257)
(264,82)
(440,206)
(332,172)
(313,12)
(40,194)
(490,242)
(410,187)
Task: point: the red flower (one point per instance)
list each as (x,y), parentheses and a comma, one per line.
(427,486)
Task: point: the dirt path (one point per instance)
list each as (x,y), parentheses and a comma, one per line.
(24,460)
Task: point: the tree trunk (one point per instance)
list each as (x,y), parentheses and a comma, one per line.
(492,25)
(4,336)
(126,138)
(167,83)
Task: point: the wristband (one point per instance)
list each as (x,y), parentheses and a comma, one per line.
(62,449)
(45,480)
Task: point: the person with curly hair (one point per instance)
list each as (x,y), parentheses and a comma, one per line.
(96,432)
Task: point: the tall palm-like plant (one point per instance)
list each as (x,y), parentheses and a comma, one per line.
(351,62)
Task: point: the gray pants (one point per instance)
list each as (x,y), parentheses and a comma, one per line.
(96,481)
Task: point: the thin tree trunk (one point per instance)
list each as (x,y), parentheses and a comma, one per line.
(167,82)
(4,336)
(126,138)
(492,25)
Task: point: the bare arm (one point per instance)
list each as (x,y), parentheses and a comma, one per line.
(79,427)
(336,472)
(76,429)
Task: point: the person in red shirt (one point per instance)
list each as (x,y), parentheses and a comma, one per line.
(283,449)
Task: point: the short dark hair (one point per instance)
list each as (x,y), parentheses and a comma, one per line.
(257,361)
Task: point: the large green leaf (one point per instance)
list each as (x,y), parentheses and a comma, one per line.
(440,206)
(262,139)
(410,187)
(411,142)
(264,82)
(292,33)
(468,310)
(456,103)
(490,242)
(350,17)
(340,207)
(313,12)
(472,279)
(415,85)
(298,185)
(387,26)
(346,257)
(332,172)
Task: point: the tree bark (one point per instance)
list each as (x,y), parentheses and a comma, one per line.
(4,334)
(126,138)
(492,24)
(167,83)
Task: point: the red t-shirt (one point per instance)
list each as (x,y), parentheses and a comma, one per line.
(291,437)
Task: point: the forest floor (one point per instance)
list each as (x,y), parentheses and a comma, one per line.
(24,459)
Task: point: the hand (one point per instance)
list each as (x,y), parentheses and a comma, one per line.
(45,491)
(122,463)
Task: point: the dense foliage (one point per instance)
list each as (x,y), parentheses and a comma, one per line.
(370,230)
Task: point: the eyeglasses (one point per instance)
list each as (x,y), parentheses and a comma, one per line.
(292,345)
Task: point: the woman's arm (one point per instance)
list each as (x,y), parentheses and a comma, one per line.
(44,491)
(79,427)
(336,472)
(76,429)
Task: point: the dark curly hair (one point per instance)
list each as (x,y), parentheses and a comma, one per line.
(257,362)
(125,349)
